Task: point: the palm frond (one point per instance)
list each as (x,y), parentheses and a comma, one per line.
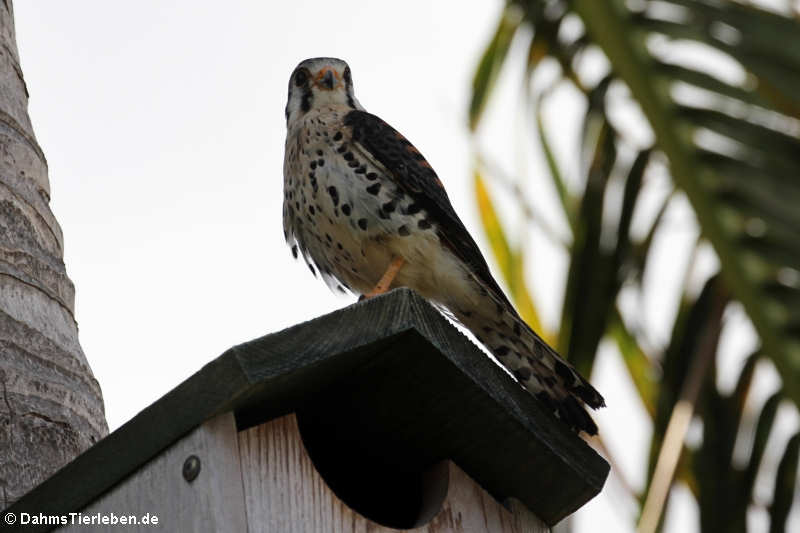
(736,138)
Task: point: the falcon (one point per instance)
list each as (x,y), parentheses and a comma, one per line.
(368,213)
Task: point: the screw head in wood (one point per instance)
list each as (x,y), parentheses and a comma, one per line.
(191,468)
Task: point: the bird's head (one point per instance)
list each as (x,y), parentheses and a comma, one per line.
(317,82)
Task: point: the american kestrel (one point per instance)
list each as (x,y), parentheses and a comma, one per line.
(365,208)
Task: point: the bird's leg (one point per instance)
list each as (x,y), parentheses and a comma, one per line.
(387,278)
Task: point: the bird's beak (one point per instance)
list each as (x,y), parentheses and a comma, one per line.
(327,79)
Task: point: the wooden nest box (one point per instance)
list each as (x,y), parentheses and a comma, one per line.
(377,417)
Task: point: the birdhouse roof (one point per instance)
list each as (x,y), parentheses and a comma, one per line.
(391,375)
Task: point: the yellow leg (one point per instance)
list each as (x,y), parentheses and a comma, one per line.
(387,278)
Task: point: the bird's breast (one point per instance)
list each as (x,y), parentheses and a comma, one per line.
(345,211)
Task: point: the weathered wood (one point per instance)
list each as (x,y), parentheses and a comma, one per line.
(389,380)
(51,407)
(213,501)
(524,520)
(284,492)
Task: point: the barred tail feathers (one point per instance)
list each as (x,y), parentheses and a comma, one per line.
(536,365)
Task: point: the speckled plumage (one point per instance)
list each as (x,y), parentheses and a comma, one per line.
(357,195)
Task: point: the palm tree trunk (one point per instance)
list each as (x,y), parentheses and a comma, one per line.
(51,407)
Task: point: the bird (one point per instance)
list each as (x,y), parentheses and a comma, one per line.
(368,213)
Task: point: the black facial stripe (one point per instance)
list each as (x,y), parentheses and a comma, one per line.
(306,102)
(300,82)
(348,87)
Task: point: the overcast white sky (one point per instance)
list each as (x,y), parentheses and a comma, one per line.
(163,127)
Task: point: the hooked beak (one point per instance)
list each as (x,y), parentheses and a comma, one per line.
(327,79)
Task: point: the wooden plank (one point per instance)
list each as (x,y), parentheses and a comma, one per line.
(524,520)
(285,492)
(213,501)
(395,376)
(139,440)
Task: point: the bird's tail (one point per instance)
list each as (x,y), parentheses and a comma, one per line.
(536,365)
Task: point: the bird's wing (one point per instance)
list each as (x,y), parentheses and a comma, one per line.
(415,177)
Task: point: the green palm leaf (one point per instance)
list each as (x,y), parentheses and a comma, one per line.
(509,260)
(729,138)
(785,482)
(735,152)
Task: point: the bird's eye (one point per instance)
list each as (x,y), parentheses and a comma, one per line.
(346,75)
(300,78)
